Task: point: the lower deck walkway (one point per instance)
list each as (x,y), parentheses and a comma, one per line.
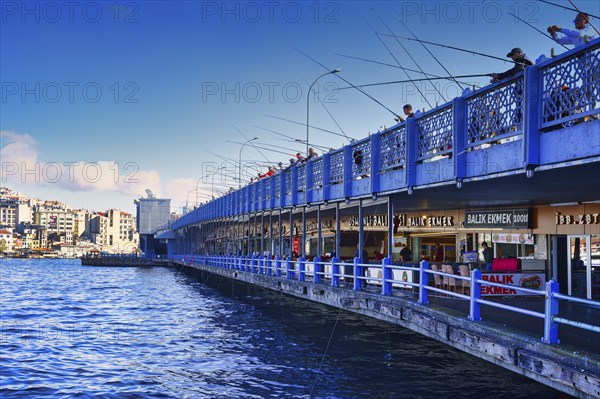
(578,339)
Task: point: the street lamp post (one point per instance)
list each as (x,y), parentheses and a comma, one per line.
(308,103)
(240,164)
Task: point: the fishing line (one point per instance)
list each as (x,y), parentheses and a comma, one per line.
(411,57)
(583,14)
(251,143)
(324,354)
(531,26)
(398,62)
(345,80)
(304,124)
(566,8)
(415,80)
(425,47)
(454,48)
(396,66)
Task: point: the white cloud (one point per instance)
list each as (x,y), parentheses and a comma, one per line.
(23,166)
(16,150)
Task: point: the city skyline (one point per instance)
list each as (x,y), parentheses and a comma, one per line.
(100,102)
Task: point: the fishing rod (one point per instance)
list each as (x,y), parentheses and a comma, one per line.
(416,80)
(398,62)
(264,148)
(251,143)
(304,124)
(336,123)
(531,26)
(429,51)
(345,80)
(319,147)
(272,145)
(567,8)
(396,66)
(454,48)
(411,57)
(583,14)
(292,139)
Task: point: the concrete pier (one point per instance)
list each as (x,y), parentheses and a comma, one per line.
(558,366)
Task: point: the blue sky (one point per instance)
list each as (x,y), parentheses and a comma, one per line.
(100,102)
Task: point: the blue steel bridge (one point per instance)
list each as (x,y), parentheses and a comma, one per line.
(533,139)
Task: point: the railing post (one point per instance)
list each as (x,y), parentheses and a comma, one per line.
(270,266)
(375,162)
(411,153)
(261,259)
(248,263)
(531,118)
(459,129)
(326,177)
(474,306)
(278,266)
(302,269)
(387,275)
(423,283)
(357,282)
(551,310)
(317,270)
(348,160)
(288,268)
(335,271)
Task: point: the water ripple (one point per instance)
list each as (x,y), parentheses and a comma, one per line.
(69,331)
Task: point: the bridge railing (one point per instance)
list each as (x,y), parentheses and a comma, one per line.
(393,148)
(434,133)
(570,86)
(495,112)
(362,275)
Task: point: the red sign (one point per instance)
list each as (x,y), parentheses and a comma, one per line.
(295,246)
(531,281)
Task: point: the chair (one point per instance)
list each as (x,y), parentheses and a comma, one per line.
(464,271)
(451,280)
(436,277)
(446,279)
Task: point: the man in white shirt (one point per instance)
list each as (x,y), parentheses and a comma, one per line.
(582,33)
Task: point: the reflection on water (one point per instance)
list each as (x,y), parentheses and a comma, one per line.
(75,331)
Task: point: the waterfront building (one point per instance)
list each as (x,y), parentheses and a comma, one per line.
(152,215)
(8,212)
(7,242)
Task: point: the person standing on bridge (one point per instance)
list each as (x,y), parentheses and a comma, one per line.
(488,255)
(575,37)
(521,61)
(405,254)
(408,112)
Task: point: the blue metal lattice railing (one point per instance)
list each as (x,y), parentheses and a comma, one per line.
(361,159)
(317,174)
(336,162)
(435,134)
(571,87)
(495,113)
(288,181)
(393,148)
(301,177)
(278,185)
